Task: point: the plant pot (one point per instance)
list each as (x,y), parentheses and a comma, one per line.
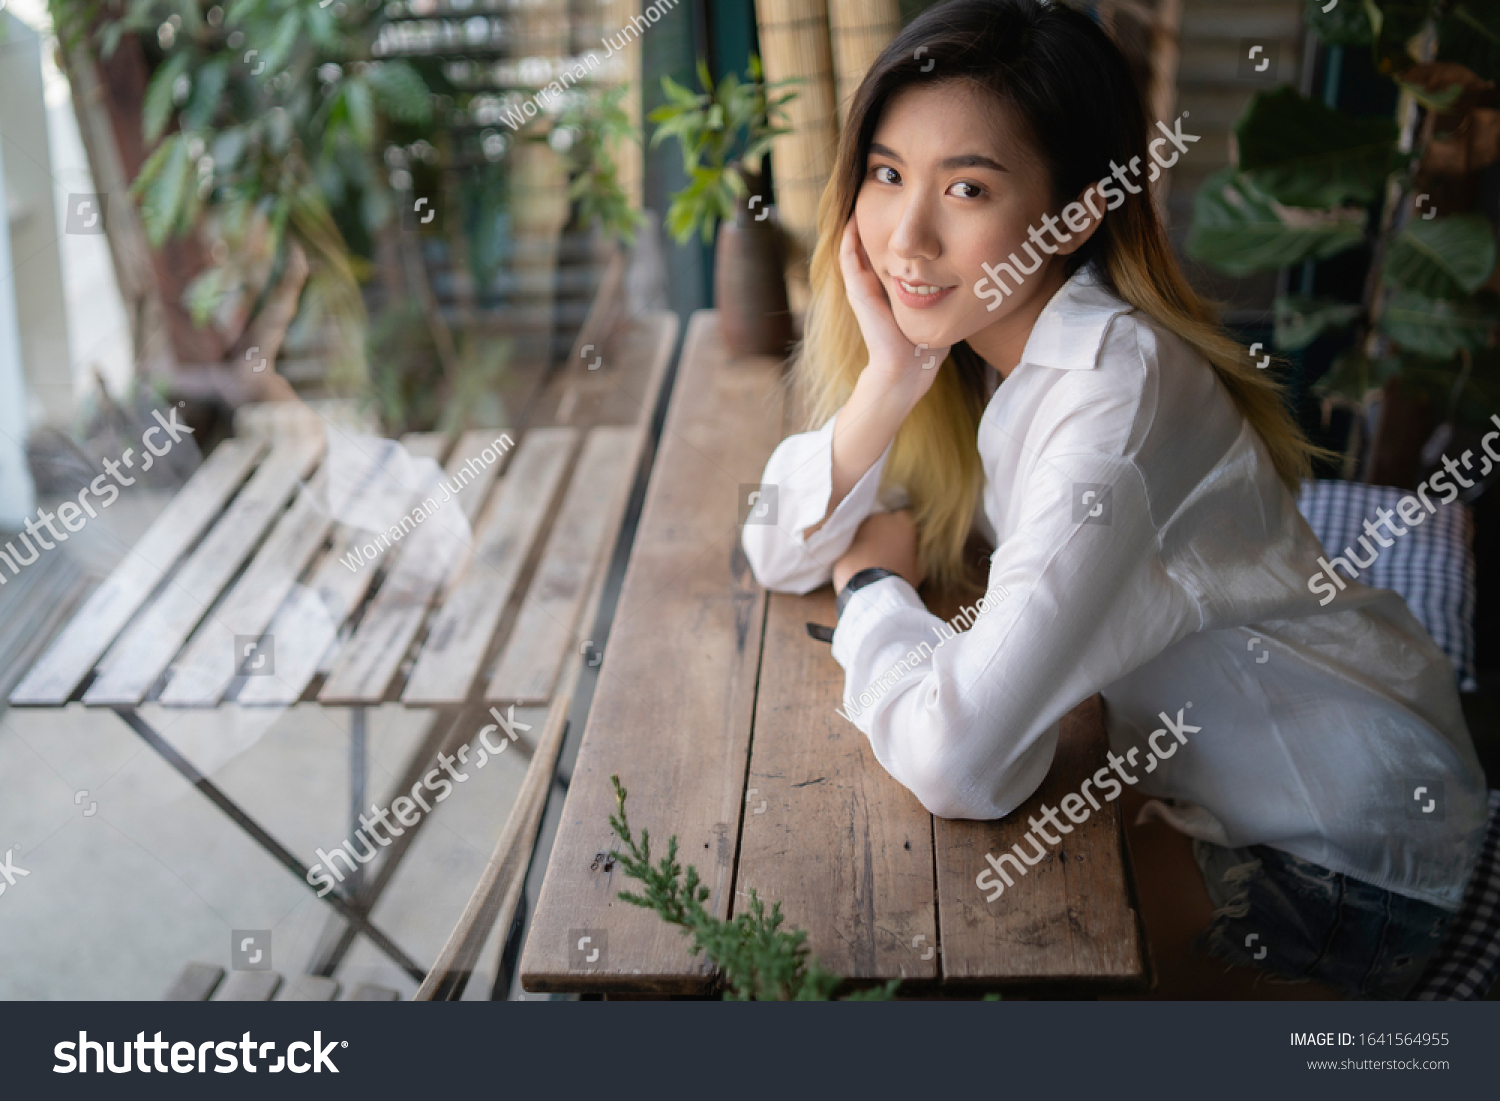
(750,285)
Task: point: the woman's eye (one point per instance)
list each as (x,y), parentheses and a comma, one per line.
(971,191)
(885,174)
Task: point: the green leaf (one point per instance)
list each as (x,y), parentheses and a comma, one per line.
(1443,258)
(170,183)
(208,91)
(156,107)
(1348,24)
(1238,230)
(401,92)
(1438,327)
(1300,321)
(1353,375)
(1470,35)
(361,107)
(1303,153)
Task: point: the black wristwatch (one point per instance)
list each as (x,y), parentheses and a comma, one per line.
(859,581)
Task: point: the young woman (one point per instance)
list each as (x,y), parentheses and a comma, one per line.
(1000,340)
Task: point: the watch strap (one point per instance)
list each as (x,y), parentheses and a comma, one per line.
(859,581)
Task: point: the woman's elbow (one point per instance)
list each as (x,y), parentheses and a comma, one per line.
(778,563)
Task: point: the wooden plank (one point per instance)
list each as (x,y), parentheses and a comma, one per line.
(140,655)
(497,894)
(690,606)
(196,983)
(546,631)
(249,986)
(308,988)
(827,831)
(1071,919)
(109,608)
(209,663)
(434,552)
(465,625)
(308,623)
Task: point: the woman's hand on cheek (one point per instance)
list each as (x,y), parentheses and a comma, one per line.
(885,539)
(891,353)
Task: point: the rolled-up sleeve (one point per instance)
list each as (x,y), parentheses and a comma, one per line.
(1077,599)
(781,555)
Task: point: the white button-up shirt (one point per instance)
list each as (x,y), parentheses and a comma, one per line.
(1146,550)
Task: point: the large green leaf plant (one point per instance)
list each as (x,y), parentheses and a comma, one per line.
(1307,183)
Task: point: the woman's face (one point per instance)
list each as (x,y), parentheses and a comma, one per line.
(951,185)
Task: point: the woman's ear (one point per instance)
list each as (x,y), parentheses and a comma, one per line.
(1082,218)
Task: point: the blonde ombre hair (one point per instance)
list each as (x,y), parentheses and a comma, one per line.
(1072,91)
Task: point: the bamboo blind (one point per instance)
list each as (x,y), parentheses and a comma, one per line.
(1161,22)
(628,154)
(859,30)
(794,42)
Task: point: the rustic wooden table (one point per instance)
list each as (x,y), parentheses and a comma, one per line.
(717,710)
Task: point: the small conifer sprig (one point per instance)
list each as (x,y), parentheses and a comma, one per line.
(759,960)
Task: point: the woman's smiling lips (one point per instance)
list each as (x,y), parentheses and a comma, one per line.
(912,296)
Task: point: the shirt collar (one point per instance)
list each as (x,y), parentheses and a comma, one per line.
(1070,329)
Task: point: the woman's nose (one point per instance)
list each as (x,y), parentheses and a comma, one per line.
(915,236)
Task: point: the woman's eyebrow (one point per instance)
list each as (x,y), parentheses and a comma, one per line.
(972,160)
(964,160)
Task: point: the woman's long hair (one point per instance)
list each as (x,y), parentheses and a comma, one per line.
(1072,91)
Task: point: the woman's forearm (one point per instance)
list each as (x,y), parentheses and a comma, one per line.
(867,424)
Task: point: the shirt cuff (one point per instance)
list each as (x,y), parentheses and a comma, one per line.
(869,608)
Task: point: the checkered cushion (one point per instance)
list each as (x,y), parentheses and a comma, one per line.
(1431,566)
(1468,963)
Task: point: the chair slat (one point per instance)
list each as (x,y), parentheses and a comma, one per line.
(308,622)
(432,553)
(140,655)
(209,663)
(547,627)
(465,625)
(108,609)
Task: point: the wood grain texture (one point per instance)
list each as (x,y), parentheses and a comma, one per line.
(432,553)
(546,630)
(827,832)
(108,609)
(208,663)
(672,710)
(140,655)
(1071,918)
(465,624)
(308,621)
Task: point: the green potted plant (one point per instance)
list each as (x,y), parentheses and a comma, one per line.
(728,191)
(1308,183)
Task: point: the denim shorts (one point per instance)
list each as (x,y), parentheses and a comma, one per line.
(1300,921)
